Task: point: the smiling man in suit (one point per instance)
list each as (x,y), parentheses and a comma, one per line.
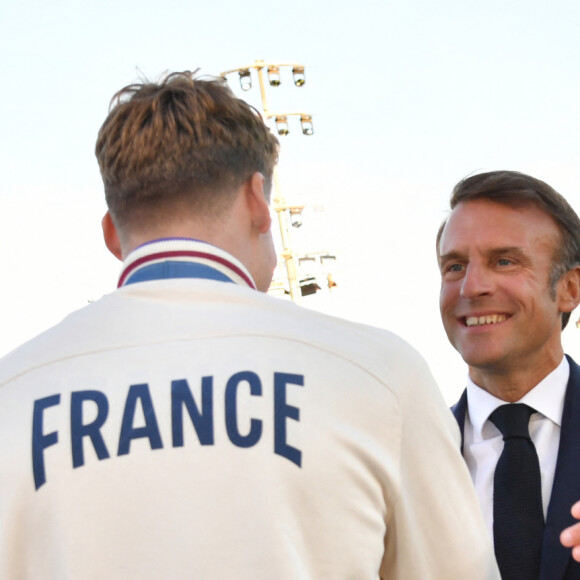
(509,256)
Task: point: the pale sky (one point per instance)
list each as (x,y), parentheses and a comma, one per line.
(407,97)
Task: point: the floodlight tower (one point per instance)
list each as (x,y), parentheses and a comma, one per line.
(287,214)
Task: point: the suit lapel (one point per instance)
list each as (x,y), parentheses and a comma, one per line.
(566,488)
(459,410)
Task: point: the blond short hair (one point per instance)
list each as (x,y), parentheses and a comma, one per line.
(179,140)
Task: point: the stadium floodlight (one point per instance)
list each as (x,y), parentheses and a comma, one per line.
(299,77)
(306,124)
(245,79)
(282,125)
(296,217)
(268,74)
(309,286)
(274,76)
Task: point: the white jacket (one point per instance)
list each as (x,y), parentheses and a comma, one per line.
(191,428)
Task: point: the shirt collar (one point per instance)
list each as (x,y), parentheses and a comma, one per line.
(147,262)
(547,397)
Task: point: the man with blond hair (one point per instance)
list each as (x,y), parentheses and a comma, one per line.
(188,425)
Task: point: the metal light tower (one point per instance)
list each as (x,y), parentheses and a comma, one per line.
(287,214)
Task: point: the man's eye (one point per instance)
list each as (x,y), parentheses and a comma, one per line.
(455,268)
(452,271)
(504,262)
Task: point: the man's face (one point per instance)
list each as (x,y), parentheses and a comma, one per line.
(495,301)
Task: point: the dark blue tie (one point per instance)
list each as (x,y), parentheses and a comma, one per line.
(518,519)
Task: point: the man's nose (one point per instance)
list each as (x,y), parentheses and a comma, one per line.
(476,282)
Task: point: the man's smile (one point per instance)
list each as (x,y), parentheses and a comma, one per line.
(484,320)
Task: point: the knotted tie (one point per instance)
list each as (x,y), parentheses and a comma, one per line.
(518,519)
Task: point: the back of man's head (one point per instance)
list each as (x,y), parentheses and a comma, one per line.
(179,141)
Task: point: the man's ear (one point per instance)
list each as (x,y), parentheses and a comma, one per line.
(569,290)
(257,203)
(111,236)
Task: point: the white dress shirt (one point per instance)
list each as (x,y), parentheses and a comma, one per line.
(483,442)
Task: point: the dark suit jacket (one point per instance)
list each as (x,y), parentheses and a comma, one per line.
(557,563)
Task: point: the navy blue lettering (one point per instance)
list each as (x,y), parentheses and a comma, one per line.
(78,429)
(232,411)
(202,421)
(282,411)
(40,441)
(150,430)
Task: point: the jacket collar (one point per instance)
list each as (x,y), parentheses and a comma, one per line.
(182,258)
